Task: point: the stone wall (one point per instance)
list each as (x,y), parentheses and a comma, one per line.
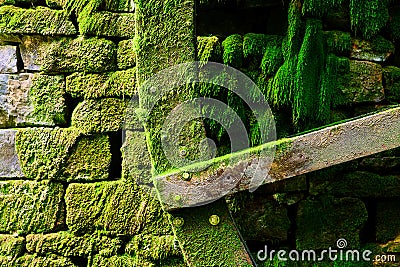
(69,193)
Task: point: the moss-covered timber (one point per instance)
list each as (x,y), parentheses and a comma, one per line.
(99,115)
(39,20)
(117,84)
(31,207)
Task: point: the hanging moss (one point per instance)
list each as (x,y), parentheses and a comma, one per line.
(319,8)
(255,45)
(368,17)
(272,60)
(338,42)
(233,50)
(310,64)
(208,49)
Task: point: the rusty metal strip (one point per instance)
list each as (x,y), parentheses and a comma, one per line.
(294,156)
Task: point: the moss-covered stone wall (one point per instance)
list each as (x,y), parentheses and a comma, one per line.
(69,193)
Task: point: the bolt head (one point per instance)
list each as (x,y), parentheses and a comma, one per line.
(178,222)
(214,220)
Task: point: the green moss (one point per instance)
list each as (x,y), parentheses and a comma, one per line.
(112,84)
(126,54)
(381,45)
(11,246)
(80,54)
(255,45)
(43,152)
(99,116)
(338,42)
(368,17)
(319,8)
(107,24)
(272,60)
(123,208)
(31,207)
(387,223)
(90,160)
(40,20)
(50,260)
(208,49)
(233,51)
(47,96)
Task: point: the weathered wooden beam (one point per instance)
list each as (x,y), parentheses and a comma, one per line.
(294,156)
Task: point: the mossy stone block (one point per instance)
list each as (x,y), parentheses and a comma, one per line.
(35,260)
(233,50)
(32,100)
(387,220)
(114,206)
(39,20)
(107,24)
(31,207)
(8,58)
(209,49)
(262,219)
(126,54)
(121,261)
(12,246)
(364,82)
(378,49)
(338,42)
(17,2)
(63,154)
(119,5)
(391,76)
(136,162)
(357,184)
(69,245)
(110,84)
(9,162)
(321,222)
(99,116)
(81,54)
(33,48)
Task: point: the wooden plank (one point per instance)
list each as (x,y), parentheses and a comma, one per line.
(294,156)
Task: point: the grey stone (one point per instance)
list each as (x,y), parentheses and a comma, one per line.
(378,50)
(28,99)
(9,163)
(364,83)
(31,207)
(32,50)
(8,59)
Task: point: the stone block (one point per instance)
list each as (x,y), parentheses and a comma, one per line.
(33,49)
(107,24)
(364,83)
(63,154)
(31,207)
(391,76)
(69,245)
(12,246)
(32,100)
(378,49)
(99,116)
(126,54)
(8,59)
(321,222)
(111,84)
(124,208)
(9,163)
(39,20)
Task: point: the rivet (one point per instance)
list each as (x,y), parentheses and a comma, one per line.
(183,153)
(186,175)
(178,221)
(214,220)
(177,198)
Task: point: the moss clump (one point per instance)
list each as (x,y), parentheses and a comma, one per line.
(99,116)
(40,20)
(272,60)
(43,152)
(92,86)
(255,45)
(69,245)
(90,160)
(107,24)
(320,222)
(391,77)
(47,96)
(80,54)
(319,8)
(126,54)
(338,42)
(369,17)
(114,206)
(233,51)
(31,207)
(208,49)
